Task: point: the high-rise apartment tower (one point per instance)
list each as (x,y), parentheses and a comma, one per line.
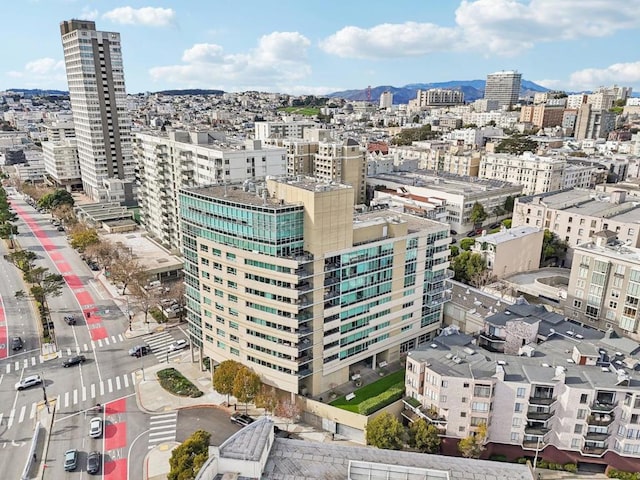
(504,87)
(93,61)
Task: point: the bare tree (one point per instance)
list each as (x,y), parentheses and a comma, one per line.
(126,269)
(145,299)
(287,409)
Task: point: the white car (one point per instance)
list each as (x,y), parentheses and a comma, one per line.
(27,382)
(95,427)
(179,345)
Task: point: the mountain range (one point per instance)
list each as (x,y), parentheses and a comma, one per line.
(472,89)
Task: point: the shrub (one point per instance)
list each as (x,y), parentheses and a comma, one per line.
(543,464)
(521,460)
(498,458)
(387,397)
(571,467)
(157,315)
(622,475)
(174,382)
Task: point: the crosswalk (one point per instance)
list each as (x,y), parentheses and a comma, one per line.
(88,393)
(159,344)
(162,428)
(103,342)
(26,362)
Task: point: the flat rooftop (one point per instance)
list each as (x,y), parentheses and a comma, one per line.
(508,235)
(450,183)
(151,255)
(615,249)
(414,222)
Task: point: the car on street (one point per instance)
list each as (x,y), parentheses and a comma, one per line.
(95,427)
(495,225)
(139,350)
(16,343)
(60,228)
(453,232)
(70,460)
(29,381)
(70,319)
(241,419)
(178,345)
(93,462)
(75,360)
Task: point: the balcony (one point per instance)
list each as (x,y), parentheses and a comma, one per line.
(540,416)
(542,400)
(431,415)
(601,407)
(536,430)
(594,450)
(597,436)
(601,420)
(304,286)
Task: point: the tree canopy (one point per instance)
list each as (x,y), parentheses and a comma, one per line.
(224,376)
(552,248)
(473,445)
(516,145)
(246,385)
(409,135)
(478,214)
(424,437)
(56,199)
(467,265)
(385,431)
(188,458)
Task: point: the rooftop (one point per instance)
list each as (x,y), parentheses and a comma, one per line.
(508,235)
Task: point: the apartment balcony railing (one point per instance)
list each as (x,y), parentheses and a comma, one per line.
(593,451)
(537,431)
(601,420)
(304,286)
(305,371)
(540,416)
(542,400)
(492,338)
(602,407)
(430,415)
(597,436)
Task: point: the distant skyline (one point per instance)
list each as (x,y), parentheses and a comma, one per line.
(316,48)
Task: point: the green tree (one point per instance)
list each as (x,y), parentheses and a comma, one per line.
(467,265)
(507,222)
(267,398)
(467,243)
(188,458)
(56,199)
(81,238)
(473,445)
(385,431)
(455,250)
(23,259)
(552,248)
(246,386)
(508,204)
(223,377)
(478,214)
(424,436)
(516,145)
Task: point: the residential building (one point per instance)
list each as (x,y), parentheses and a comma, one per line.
(510,251)
(576,100)
(504,87)
(604,287)
(537,174)
(438,97)
(93,61)
(343,162)
(543,386)
(542,115)
(170,161)
(300,154)
(291,284)
(291,129)
(574,215)
(386,100)
(592,123)
(61,163)
(601,100)
(459,193)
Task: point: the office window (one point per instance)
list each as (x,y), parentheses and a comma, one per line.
(516,422)
(575,443)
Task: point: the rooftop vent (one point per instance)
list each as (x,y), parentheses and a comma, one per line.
(434,345)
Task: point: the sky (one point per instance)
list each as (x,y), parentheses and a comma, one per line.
(317,47)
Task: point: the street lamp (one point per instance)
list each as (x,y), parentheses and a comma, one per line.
(44,393)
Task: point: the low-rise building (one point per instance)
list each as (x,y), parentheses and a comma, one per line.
(536,173)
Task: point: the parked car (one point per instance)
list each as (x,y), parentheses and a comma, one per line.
(29,381)
(70,319)
(60,228)
(139,350)
(75,360)
(94,266)
(494,225)
(453,232)
(70,460)
(241,419)
(16,343)
(95,427)
(472,233)
(178,345)
(94,459)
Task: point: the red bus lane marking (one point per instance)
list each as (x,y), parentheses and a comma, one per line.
(115,437)
(94,322)
(4,349)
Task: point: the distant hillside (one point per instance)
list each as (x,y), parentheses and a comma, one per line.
(473,90)
(36,92)
(191,91)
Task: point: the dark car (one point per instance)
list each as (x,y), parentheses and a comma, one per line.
(139,350)
(93,462)
(495,225)
(241,419)
(70,319)
(453,232)
(16,343)
(75,360)
(60,228)
(472,233)
(94,266)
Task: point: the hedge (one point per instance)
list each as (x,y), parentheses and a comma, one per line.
(622,475)
(373,404)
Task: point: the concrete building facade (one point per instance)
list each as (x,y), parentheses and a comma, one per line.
(289,283)
(504,87)
(93,61)
(343,162)
(537,174)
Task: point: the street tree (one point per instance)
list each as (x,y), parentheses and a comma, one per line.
(267,398)
(145,300)
(385,431)
(478,214)
(224,376)
(102,252)
(82,237)
(246,386)
(424,436)
(7,232)
(509,202)
(65,213)
(287,409)
(472,446)
(55,199)
(188,458)
(23,259)
(126,269)
(467,243)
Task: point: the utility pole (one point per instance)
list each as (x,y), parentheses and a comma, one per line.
(44,393)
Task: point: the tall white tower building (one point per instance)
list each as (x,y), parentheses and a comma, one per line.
(93,61)
(504,87)
(386,99)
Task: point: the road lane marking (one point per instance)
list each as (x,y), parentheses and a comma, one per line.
(8,368)
(33,410)
(84,393)
(106,340)
(75,396)
(120,337)
(124,377)
(85,347)
(93,390)
(163,415)
(110,385)
(66,399)
(17,365)
(118,383)
(25,362)
(161,434)
(22,412)
(33,361)
(133,378)
(10,420)
(101,388)
(114,339)
(1,415)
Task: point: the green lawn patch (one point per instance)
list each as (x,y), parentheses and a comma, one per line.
(374,396)
(307,111)
(174,382)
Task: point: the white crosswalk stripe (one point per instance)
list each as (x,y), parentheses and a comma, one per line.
(162,428)
(33,361)
(159,344)
(117,383)
(17,365)
(33,410)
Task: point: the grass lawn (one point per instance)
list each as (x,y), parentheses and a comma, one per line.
(369,391)
(308,111)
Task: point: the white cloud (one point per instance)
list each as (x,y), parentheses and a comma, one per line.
(504,27)
(278,59)
(148,16)
(88,14)
(41,73)
(590,78)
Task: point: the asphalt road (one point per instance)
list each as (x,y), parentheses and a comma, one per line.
(213,420)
